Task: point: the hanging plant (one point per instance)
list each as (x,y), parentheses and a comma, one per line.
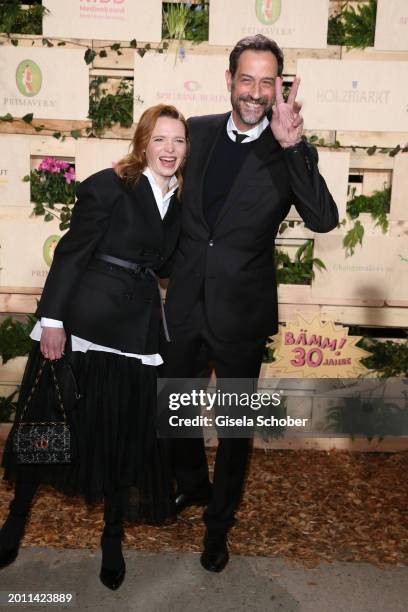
(353,27)
(185,21)
(8,407)
(107,109)
(300,270)
(53,187)
(389,359)
(15,337)
(378,205)
(17,20)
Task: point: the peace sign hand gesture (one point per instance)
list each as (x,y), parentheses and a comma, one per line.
(287,124)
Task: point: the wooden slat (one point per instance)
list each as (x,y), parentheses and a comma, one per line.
(370,54)
(368,139)
(379,317)
(302,294)
(18,303)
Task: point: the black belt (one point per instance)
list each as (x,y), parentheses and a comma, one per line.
(137,269)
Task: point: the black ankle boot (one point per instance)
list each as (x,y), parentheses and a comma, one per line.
(113,567)
(10,537)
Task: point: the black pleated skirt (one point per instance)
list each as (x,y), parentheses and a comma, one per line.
(113,430)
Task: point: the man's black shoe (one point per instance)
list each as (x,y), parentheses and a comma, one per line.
(112,578)
(7,556)
(184,500)
(215,554)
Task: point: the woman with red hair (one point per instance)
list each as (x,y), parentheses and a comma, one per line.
(101,306)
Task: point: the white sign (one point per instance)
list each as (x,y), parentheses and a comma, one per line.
(292,23)
(50,83)
(93,155)
(104,19)
(391,28)
(14,165)
(354,95)
(27,247)
(195,85)
(378,269)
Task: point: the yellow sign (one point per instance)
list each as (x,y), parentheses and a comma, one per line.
(317,350)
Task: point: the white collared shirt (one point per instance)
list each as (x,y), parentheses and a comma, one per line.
(251,135)
(162,201)
(80,344)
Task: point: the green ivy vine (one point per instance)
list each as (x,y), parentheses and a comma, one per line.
(106,109)
(377,204)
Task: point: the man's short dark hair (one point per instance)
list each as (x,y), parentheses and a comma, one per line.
(255,43)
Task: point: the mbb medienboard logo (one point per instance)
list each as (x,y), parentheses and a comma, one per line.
(268,11)
(28,78)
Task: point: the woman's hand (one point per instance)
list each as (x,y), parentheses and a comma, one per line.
(52,342)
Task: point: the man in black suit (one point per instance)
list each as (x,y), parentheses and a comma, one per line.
(243,173)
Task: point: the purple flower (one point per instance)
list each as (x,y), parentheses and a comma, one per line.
(61,165)
(50,164)
(47,164)
(70,175)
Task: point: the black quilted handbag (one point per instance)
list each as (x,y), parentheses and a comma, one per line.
(43,442)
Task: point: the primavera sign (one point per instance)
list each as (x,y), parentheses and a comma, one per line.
(28,78)
(268,11)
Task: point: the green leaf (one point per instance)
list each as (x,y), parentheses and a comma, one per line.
(371,150)
(115,47)
(76,134)
(48,217)
(394,151)
(57,134)
(103,53)
(28,118)
(47,42)
(141,52)
(14,42)
(133,43)
(39,128)
(89,56)
(26,178)
(353,237)
(62,43)
(7,117)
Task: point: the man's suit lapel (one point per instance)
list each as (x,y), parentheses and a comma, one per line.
(264,147)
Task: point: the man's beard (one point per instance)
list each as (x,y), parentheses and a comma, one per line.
(247,115)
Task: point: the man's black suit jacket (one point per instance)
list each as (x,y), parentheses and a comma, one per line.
(100,302)
(235,262)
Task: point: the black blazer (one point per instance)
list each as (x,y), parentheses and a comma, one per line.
(235,262)
(101,302)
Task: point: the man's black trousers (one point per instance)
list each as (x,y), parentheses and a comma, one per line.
(193,346)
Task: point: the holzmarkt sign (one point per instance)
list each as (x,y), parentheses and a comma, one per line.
(316,349)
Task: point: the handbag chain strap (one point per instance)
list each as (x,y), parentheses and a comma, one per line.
(57,388)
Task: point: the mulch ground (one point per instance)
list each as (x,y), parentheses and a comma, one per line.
(306,506)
